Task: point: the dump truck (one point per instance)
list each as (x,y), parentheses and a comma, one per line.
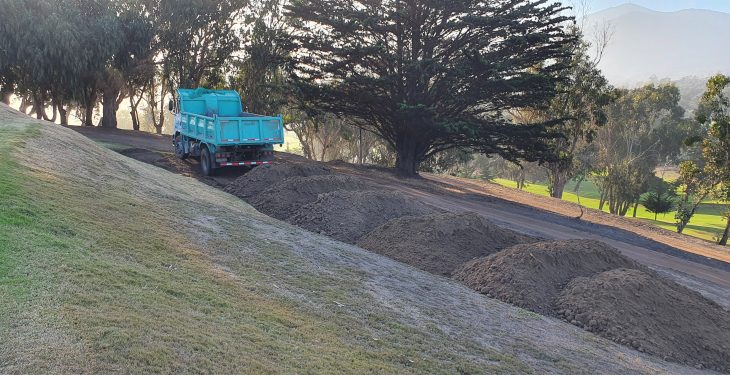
(212,126)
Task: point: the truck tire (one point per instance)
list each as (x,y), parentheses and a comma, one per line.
(179,148)
(206,162)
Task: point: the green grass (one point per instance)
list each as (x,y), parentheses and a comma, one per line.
(708,223)
(98,277)
(114,290)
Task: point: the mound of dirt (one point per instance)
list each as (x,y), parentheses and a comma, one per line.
(348,215)
(438,243)
(651,314)
(287,196)
(532,275)
(263,177)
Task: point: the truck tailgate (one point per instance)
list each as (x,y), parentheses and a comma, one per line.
(257,130)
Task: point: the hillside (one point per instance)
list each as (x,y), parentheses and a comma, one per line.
(662,44)
(111,265)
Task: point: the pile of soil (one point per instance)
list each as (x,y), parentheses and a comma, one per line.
(651,314)
(348,215)
(438,243)
(532,275)
(287,196)
(263,177)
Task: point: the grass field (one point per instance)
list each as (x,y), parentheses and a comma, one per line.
(708,223)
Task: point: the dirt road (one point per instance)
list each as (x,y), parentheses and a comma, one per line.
(697,264)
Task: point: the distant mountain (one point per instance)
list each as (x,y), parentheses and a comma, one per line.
(647,43)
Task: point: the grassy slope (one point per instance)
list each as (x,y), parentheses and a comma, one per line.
(707,223)
(109,265)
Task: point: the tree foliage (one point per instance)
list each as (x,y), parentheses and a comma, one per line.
(714,112)
(581,100)
(661,197)
(629,144)
(428,76)
(259,76)
(696,185)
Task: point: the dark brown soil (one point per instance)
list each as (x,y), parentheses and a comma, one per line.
(438,243)
(651,314)
(532,275)
(264,177)
(287,196)
(348,215)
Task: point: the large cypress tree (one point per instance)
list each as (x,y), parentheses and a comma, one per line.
(431,75)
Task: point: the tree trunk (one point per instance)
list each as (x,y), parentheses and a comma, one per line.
(558,177)
(24,104)
(685,220)
(723,240)
(63,114)
(88,115)
(602,201)
(5,93)
(38,107)
(406,162)
(558,185)
(521,179)
(109,106)
(636,206)
(133,110)
(163,91)
(161,123)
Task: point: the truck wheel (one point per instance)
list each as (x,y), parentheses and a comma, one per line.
(206,163)
(180,147)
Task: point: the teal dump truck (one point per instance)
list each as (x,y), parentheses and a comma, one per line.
(211,125)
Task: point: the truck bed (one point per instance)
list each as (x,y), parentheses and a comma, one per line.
(248,129)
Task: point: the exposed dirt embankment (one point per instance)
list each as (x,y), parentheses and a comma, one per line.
(264,177)
(438,243)
(349,215)
(287,196)
(532,275)
(650,314)
(591,285)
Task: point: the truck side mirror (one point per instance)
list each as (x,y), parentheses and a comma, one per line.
(171,105)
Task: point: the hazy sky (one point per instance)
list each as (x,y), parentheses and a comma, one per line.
(663,5)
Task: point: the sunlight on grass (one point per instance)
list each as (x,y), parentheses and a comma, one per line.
(708,222)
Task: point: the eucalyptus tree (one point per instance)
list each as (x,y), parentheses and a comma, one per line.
(581,102)
(196,36)
(696,185)
(131,63)
(57,50)
(193,40)
(629,144)
(714,112)
(428,76)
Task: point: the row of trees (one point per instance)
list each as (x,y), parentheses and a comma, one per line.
(424,76)
(636,131)
(79,54)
